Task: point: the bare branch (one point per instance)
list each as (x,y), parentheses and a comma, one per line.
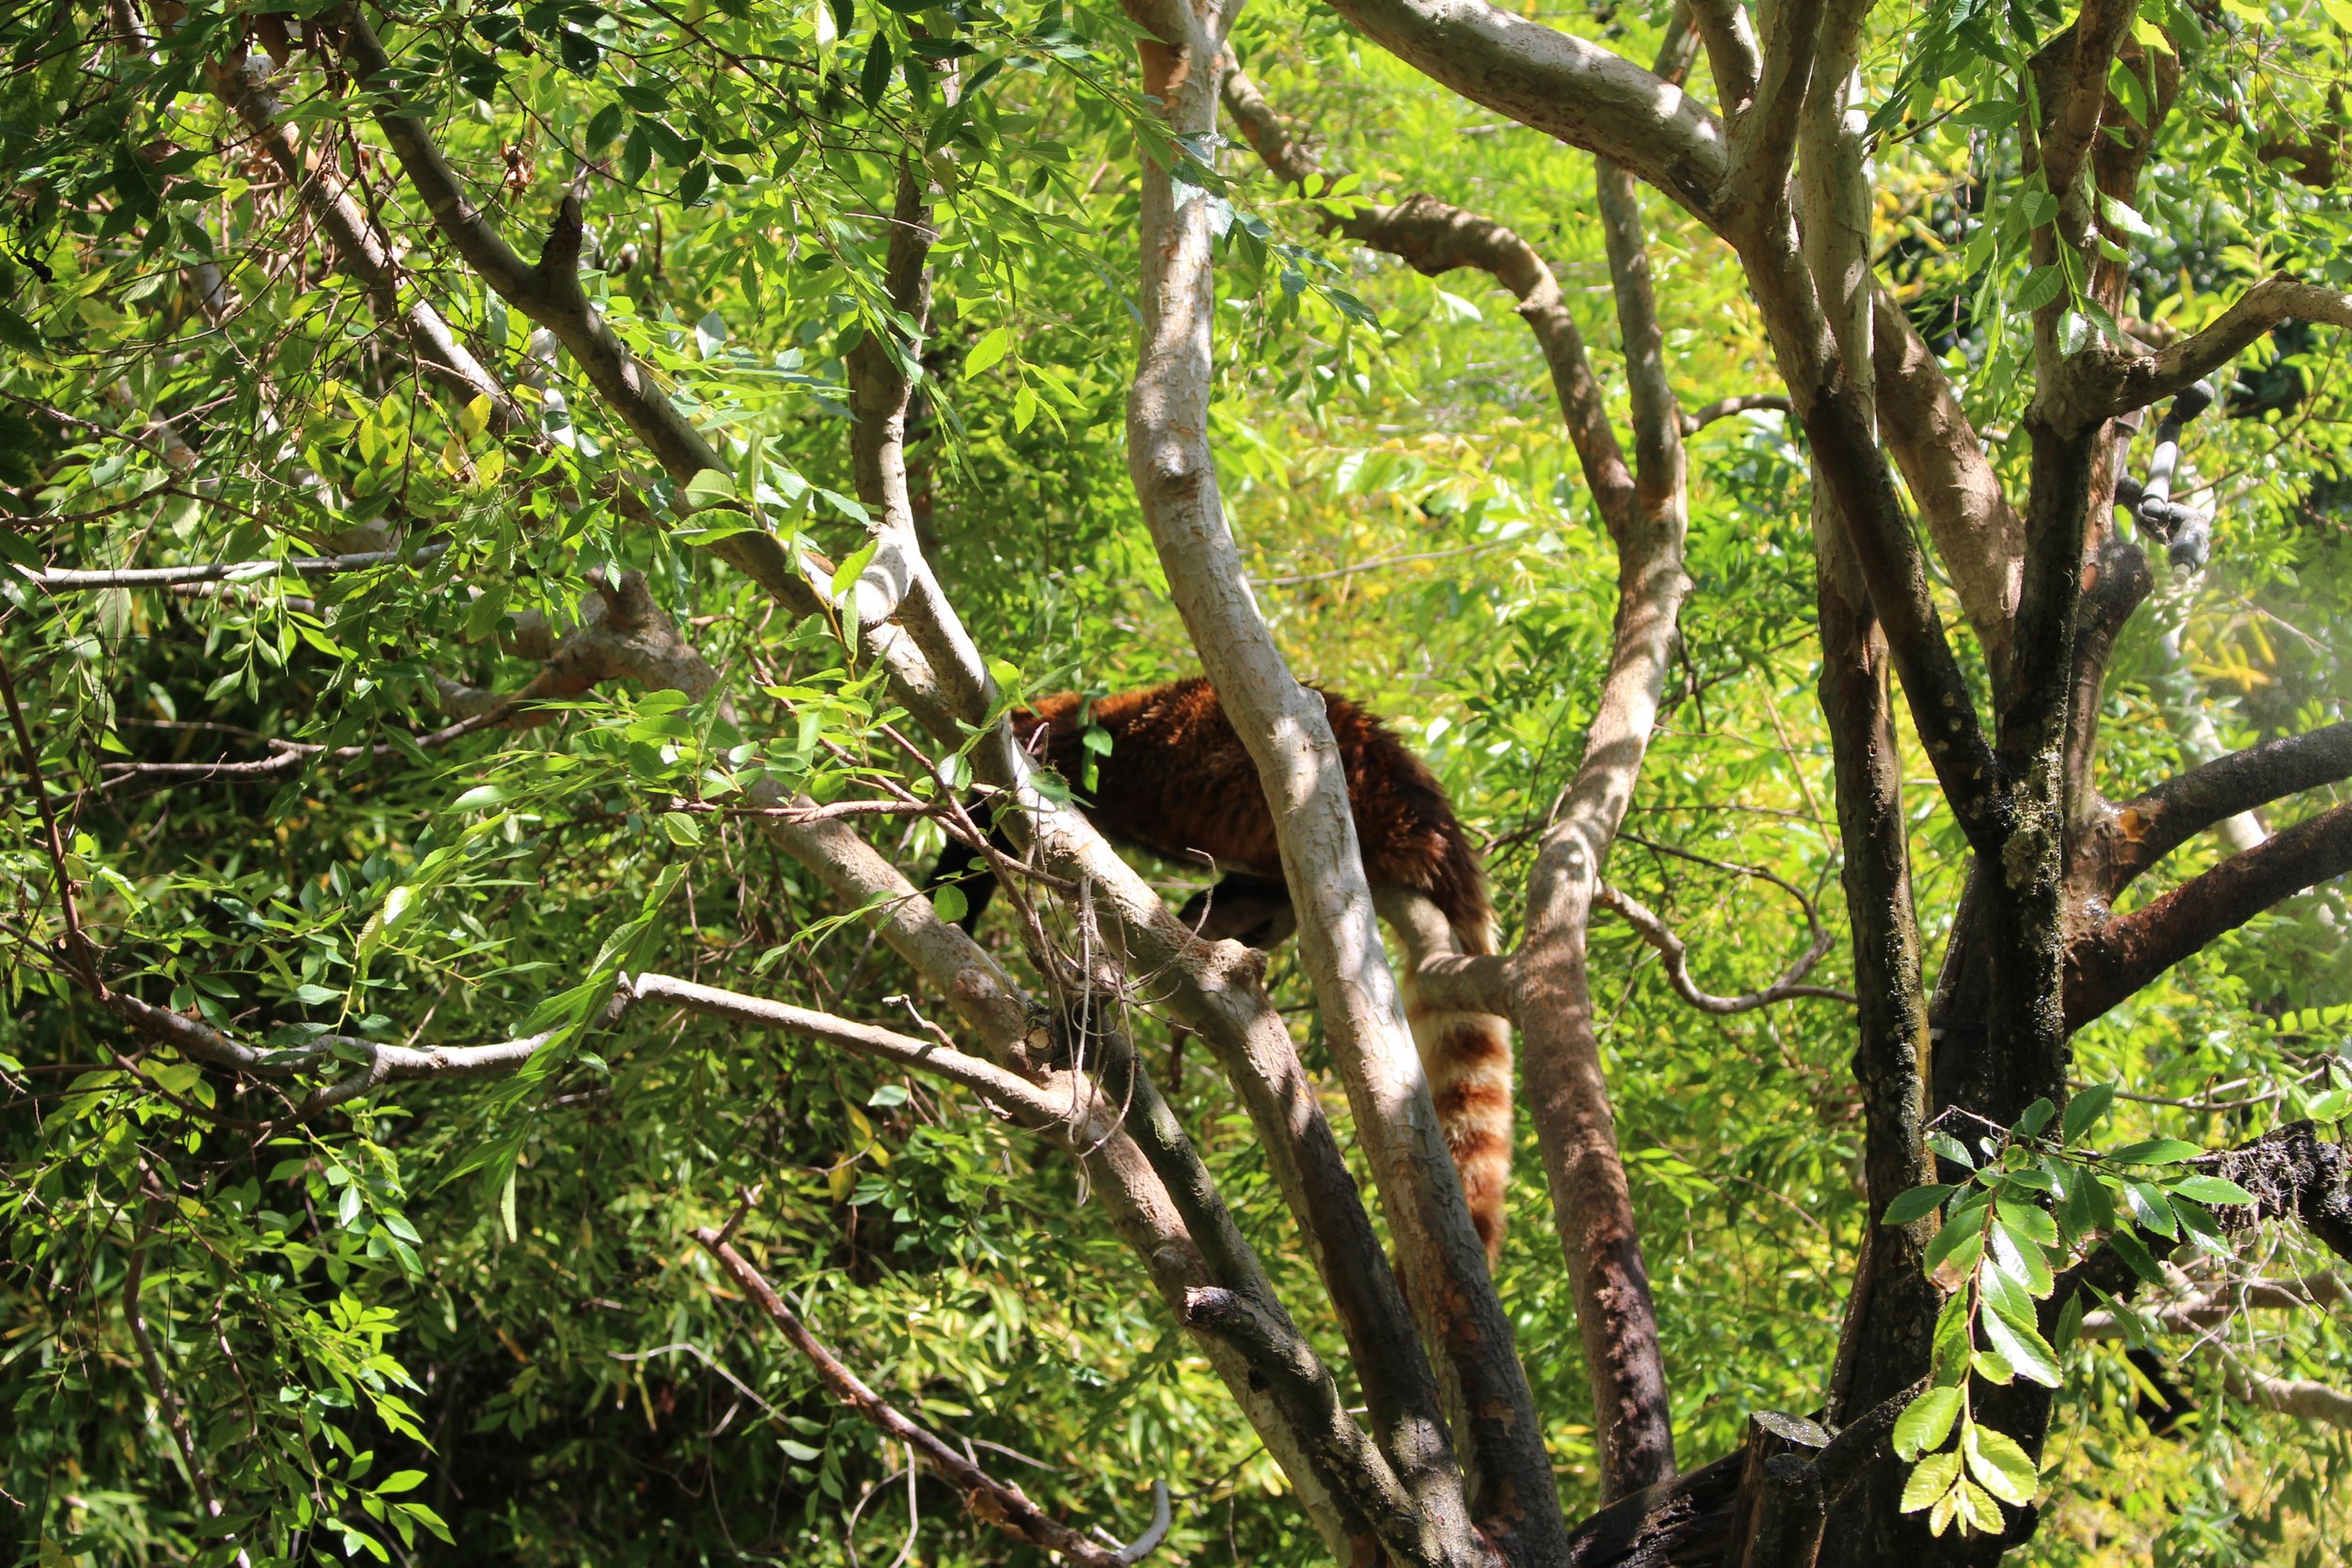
(61,580)
(1764,142)
(246,91)
(1655,932)
(2145,830)
(2071,118)
(2222,1303)
(1979,536)
(2137,382)
(1562,86)
(549,292)
(1723,408)
(1434,238)
(2109,963)
(1731,53)
(1000,1502)
(1289,737)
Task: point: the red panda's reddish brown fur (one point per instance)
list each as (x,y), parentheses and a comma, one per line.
(1179,784)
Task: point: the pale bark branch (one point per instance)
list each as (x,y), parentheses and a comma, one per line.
(244,86)
(1434,238)
(2284,1396)
(1764,141)
(2137,382)
(1732,57)
(1290,740)
(1568,1089)
(1562,86)
(2222,1303)
(64,580)
(1979,536)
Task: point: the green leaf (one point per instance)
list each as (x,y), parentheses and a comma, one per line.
(2029,1221)
(2154,1152)
(2021,1344)
(2041,285)
(710,487)
(1951,1148)
(846,575)
(888,1097)
(2085,1110)
(2034,1118)
(1929,1479)
(990,348)
(681,828)
(2151,1211)
(873,79)
(1925,1421)
(2022,1261)
(2217,1190)
(399,1480)
(950,903)
(1915,1204)
(2000,1465)
(2133,1252)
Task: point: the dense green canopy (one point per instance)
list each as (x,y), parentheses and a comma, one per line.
(320,784)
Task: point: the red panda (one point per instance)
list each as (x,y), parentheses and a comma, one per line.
(1179,784)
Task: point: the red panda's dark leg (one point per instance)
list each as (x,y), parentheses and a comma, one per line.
(1253,911)
(961,865)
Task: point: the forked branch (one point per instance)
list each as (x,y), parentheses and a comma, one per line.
(1657,934)
(2281,297)
(2114,960)
(2151,826)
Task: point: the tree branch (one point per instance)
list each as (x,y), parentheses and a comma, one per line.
(2143,830)
(2108,964)
(1001,1503)
(1289,737)
(2071,119)
(1764,142)
(1561,86)
(1979,536)
(1731,53)
(246,89)
(62,580)
(2137,382)
(1567,1090)
(1657,934)
(1434,238)
(1723,408)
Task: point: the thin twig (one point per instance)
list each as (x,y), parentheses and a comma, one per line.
(85,954)
(1000,1501)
